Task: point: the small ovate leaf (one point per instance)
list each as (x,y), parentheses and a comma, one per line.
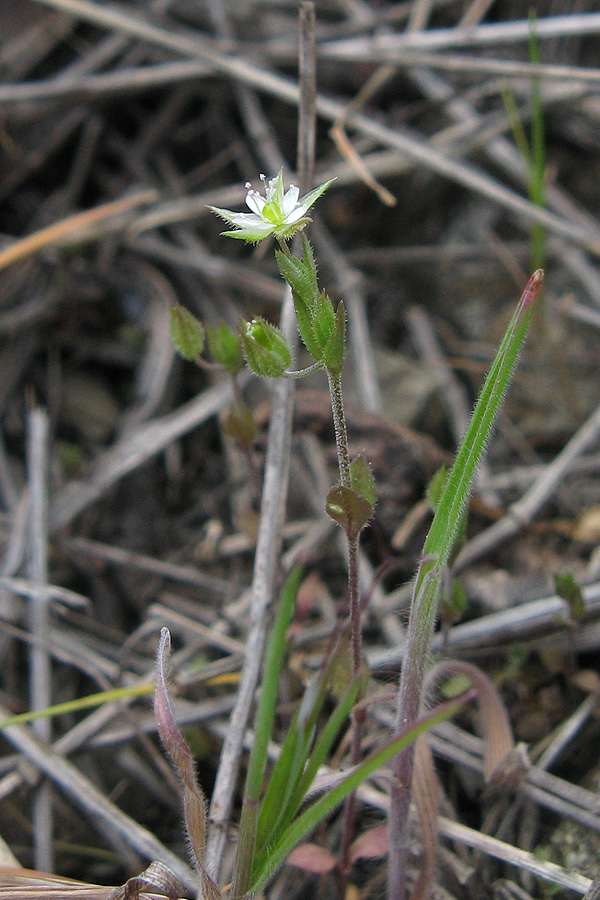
(336,345)
(265,348)
(225,347)
(567,588)
(362,481)
(348,509)
(435,488)
(312,858)
(187,333)
(239,424)
(372,844)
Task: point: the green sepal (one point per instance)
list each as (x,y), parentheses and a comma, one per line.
(187,333)
(301,275)
(265,348)
(334,350)
(225,347)
(323,321)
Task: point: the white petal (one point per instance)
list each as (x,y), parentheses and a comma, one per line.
(245,220)
(256,202)
(290,200)
(295,216)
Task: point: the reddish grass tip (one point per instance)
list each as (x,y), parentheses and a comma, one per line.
(532,289)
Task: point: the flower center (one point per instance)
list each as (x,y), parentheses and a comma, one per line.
(271,213)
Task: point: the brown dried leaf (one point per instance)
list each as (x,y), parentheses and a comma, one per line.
(194,802)
(426,793)
(372,844)
(497,733)
(312,858)
(587,680)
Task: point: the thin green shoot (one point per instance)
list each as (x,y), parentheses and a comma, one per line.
(537,187)
(448,517)
(71,706)
(532,152)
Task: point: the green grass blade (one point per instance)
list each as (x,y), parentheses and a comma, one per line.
(280,784)
(447,520)
(321,749)
(516,125)
(537,171)
(276,854)
(295,751)
(265,715)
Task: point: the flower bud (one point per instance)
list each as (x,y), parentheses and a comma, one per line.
(336,345)
(265,348)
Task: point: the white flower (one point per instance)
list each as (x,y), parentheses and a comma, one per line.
(277,213)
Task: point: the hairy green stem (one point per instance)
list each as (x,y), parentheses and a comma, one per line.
(302,373)
(341,440)
(339,424)
(418,639)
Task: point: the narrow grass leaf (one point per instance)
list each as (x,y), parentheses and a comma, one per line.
(71,706)
(295,752)
(447,520)
(321,749)
(263,730)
